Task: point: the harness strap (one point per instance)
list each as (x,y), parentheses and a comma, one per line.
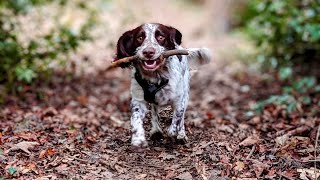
(150,89)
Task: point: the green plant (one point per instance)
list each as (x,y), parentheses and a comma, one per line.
(23,60)
(286,31)
(297,94)
(287,34)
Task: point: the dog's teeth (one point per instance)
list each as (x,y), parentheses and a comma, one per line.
(148,63)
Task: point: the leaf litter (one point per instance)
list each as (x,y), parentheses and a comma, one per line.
(80,129)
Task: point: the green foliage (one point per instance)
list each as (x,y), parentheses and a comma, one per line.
(292,96)
(286,31)
(23,61)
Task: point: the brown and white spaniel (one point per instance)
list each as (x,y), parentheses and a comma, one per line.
(156,81)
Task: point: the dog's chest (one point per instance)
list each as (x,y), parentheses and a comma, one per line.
(171,92)
(165,96)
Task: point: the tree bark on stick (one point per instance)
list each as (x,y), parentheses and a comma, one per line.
(117,63)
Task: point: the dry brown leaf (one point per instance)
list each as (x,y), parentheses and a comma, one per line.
(259,167)
(119,169)
(24,146)
(42,154)
(49,112)
(141,176)
(166,156)
(312,172)
(249,141)
(239,166)
(30,167)
(225,128)
(226,145)
(185,176)
(48,152)
(116,121)
(62,167)
(281,140)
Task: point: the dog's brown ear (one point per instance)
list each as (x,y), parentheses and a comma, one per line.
(125,48)
(125,45)
(175,35)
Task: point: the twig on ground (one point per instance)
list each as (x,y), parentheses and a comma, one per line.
(78,159)
(298,130)
(315,151)
(251,152)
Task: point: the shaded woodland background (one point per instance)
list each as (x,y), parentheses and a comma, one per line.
(253,112)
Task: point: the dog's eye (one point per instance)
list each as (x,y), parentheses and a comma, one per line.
(140,39)
(160,38)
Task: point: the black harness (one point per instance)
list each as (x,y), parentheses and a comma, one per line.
(150,89)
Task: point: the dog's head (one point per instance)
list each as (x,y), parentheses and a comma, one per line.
(148,41)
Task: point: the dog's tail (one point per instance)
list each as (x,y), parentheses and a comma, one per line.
(198,57)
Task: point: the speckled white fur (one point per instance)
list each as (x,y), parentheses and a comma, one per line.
(175,94)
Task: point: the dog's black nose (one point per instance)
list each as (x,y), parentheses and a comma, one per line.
(149,52)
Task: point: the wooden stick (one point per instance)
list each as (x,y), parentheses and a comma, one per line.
(164,55)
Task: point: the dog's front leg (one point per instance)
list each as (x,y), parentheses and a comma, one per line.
(156,131)
(138,109)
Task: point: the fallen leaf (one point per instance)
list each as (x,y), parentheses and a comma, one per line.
(50,152)
(62,167)
(185,176)
(47,152)
(42,154)
(271,174)
(30,167)
(225,128)
(24,146)
(259,167)
(249,141)
(28,136)
(49,112)
(141,176)
(239,166)
(226,145)
(312,172)
(281,140)
(82,99)
(119,169)
(107,174)
(116,121)
(166,156)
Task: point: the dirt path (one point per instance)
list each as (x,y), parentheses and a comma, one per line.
(82,129)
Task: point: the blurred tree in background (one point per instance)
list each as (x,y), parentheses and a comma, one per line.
(24,60)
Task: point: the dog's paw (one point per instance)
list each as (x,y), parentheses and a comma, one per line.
(182,139)
(138,146)
(172,131)
(156,136)
(139,141)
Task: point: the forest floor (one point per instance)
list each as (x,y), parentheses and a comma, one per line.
(77,125)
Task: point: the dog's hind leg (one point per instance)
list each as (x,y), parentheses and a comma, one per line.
(177,128)
(156,131)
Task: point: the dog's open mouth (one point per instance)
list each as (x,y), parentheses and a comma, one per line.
(151,64)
